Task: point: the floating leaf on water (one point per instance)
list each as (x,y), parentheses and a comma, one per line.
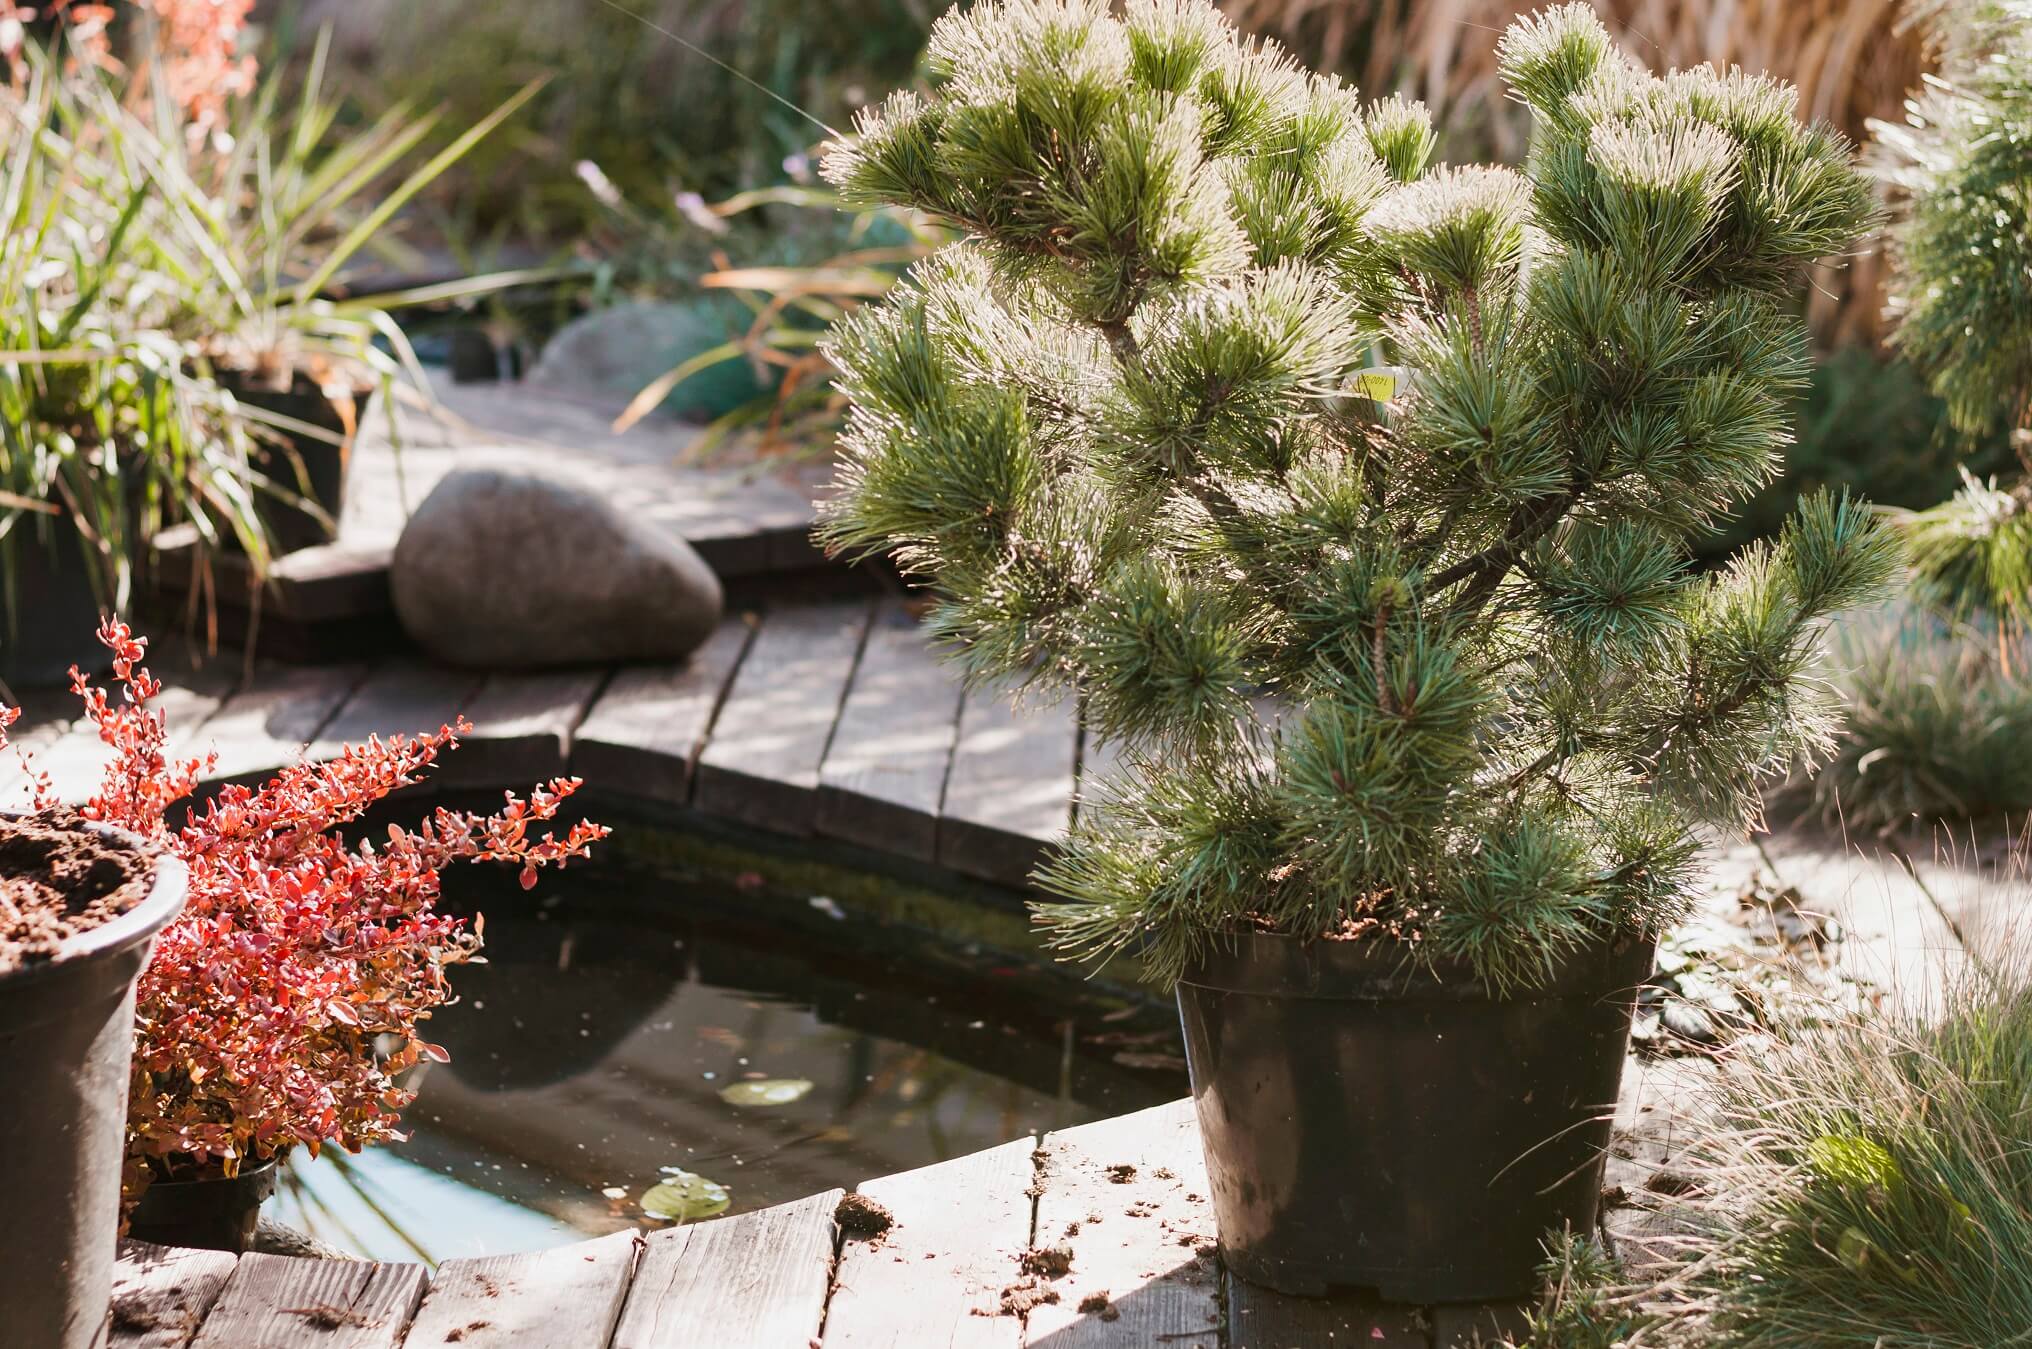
(765,1091)
(685,1197)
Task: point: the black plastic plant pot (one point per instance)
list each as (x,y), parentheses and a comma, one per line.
(53,623)
(66,1041)
(1377,1124)
(217,1213)
(290,527)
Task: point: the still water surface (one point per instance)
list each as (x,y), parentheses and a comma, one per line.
(599,1055)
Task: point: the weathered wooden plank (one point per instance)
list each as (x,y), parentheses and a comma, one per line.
(884,774)
(1893,934)
(288,1302)
(1260,1318)
(761,764)
(75,763)
(936,1277)
(522,729)
(1009,794)
(161,1293)
(1981,886)
(568,1295)
(267,725)
(753,1281)
(1128,1197)
(646,729)
(401,697)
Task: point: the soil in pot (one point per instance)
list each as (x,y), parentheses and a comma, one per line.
(279,452)
(216,1212)
(79,905)
(59,880)
(1373,1123)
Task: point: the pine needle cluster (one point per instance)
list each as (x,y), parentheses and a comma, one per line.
(1352,496)
(1961,291)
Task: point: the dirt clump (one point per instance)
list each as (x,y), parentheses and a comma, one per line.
(1019,1297)
(861,1216)
(1050,1261)
(1102,1305)
(58,880)
(1121,1173)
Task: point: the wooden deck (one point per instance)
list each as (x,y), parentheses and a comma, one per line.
(749,519)
(829,719)
(1144,1272)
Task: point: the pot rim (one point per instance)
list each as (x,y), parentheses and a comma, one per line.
(169,886)
(1278,964)
(252,1173)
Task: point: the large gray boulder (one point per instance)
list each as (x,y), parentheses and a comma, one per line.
(620,351)
(513,569)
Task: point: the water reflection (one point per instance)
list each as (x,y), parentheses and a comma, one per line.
(591,1061)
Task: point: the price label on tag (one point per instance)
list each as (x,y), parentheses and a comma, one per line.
(1379,383)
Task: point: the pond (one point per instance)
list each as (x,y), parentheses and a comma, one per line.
(626,1064)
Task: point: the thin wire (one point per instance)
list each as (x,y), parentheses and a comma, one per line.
(697,50)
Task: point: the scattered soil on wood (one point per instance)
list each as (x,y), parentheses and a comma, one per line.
(1102,1305)
(57,880)
(1049,1261)
(132,1311)
(1121,1173)
(329,1316)
(455,1336)
(861,1216)
(1019,1297)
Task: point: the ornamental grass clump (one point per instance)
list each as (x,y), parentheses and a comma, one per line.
(1351,496)
(284,1004)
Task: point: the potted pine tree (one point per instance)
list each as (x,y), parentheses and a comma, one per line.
(1352,498)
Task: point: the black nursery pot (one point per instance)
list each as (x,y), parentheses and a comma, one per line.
(290,527)
(54,622)
(1370,1123)
(66,1041)
(218,1213)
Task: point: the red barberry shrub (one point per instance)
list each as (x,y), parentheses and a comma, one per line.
(283,1005)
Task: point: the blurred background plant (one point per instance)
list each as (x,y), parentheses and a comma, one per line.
(1939,723)
(106,432)
(1960,169)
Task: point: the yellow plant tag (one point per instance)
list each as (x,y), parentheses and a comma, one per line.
(1379,383)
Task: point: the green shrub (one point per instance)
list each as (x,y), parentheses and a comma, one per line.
(1939,726)
(1143,434)
(1962,289)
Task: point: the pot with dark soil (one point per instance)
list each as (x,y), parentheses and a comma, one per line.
(1351,500)
(305,445)
(79,905)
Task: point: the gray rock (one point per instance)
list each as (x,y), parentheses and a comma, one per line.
(274,1238)
(520,570)
(621,350)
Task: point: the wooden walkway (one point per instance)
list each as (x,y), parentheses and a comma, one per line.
(830,719)
(1126,1197)
(748,519)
